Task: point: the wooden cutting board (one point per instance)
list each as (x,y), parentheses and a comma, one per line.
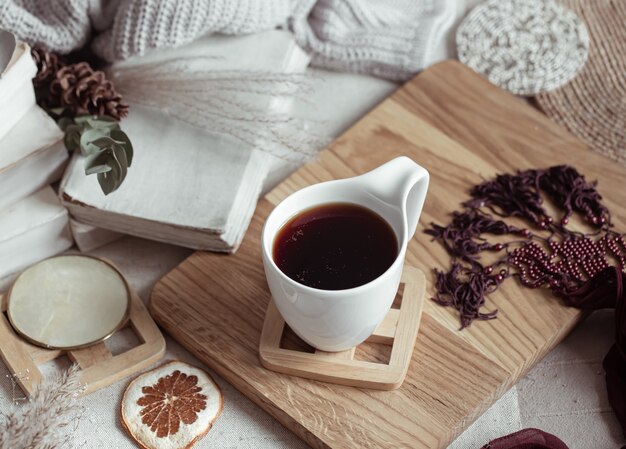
(463,130)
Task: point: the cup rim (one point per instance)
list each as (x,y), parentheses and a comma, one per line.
(267,253)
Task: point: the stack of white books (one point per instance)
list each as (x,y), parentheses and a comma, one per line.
(186,186)
(33,223)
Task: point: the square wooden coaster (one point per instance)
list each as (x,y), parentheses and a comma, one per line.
(98,366)
(369,365)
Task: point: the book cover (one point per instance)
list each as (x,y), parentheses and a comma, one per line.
(32,229)
(17,94)
(187,187)
(32,155)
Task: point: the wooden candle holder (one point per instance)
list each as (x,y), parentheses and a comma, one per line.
(98,366)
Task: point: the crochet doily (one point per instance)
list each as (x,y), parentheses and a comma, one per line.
(524,46)
(592,106)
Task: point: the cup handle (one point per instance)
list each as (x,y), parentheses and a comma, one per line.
(401,183)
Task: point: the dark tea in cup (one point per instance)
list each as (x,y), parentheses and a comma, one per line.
(335,246)
(333,269)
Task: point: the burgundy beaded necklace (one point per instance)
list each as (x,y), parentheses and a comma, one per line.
(584,270)
(562,262)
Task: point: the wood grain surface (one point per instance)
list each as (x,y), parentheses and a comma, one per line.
(463,130)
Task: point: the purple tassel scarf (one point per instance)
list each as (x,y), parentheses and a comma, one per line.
(585,272)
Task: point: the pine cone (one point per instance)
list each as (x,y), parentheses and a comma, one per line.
(86,91)
(48,64)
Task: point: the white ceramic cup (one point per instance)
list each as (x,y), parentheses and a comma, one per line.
(336,320)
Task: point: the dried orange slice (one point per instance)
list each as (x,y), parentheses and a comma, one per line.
(171,407)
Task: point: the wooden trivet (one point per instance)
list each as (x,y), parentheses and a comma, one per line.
(398,330)
(98,366)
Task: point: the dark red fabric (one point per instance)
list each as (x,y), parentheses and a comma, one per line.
(606,290)
(527,439)
(561,263)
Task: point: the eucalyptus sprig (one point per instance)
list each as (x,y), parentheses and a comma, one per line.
(107,149)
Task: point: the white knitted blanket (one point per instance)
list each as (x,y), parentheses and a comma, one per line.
(123,28)
(391,38)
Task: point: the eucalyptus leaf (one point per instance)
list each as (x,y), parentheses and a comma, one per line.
(107,150)
(105,119)
(103,142)
(111,180)
(83,118)
(121,136)
(65,122)
(120,154)
(97,158)
(121,161)
(104,168)
(72,137)
(103,122)
(108,182)
(86,141)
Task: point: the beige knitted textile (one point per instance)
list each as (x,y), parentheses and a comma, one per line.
(593,105)
(392,39)
(141,25)
(132,27)
(61,25)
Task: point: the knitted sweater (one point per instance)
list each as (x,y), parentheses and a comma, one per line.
(130,27)
(391,38)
